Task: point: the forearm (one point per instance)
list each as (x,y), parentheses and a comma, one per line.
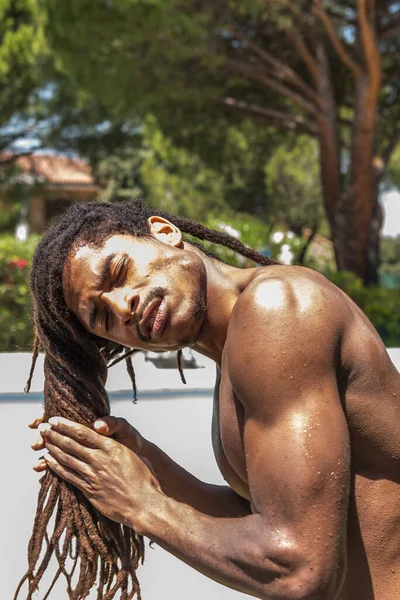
(179,484)
(240,553)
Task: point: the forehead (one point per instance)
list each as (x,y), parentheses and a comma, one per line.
(83,270)
(115,243)
(92,257)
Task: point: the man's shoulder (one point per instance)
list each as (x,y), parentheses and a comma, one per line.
(283,292)
(286,318)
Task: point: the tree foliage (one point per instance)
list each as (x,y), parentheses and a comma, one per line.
(322,68)
(171,176)
(167,176)
(293,183)
(22,55)
(394,168)
(391,257)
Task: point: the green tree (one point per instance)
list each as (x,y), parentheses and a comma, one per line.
(393,175)
(168,177)
(391,256)
(327,69)
(292,180)
(22,55)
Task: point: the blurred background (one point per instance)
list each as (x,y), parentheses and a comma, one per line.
(277,122)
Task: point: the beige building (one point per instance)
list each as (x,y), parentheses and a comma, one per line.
(52,182)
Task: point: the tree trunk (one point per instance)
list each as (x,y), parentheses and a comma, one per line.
(329,149)
(358,216)
(353,214)
(357,234)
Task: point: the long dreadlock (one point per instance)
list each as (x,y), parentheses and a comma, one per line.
(75,369)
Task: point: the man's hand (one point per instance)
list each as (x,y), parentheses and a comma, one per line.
(112,477)
(116,427)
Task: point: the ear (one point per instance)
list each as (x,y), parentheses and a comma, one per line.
(165,231)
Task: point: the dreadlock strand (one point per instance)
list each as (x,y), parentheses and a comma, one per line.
(35,354)
(202,232)
(180,368)
(121,357)
(132,375)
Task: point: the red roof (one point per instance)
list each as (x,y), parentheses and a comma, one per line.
(57,169)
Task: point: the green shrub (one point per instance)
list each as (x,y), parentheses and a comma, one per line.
(16,329)
(381,305)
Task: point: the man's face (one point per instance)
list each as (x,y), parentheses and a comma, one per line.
(139,292)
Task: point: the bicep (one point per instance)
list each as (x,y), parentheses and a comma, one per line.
(295,435)
(298,467)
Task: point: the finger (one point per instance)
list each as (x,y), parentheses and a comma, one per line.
(122,431)
(36,422)
(41,466)
(148,465)
(67,444)
(106,425)
(64,472)
(78,432)
(118,427)
(38,444)
(67,460)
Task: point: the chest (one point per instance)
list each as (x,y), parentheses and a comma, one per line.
(227,435)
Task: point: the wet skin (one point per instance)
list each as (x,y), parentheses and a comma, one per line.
(305,428)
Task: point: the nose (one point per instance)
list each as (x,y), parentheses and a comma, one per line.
(123,302)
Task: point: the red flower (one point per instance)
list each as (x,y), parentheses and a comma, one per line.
(19,263)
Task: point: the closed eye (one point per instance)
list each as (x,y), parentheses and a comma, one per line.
(120,271)
(107,322)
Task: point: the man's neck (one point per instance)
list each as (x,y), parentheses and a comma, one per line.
(224,286)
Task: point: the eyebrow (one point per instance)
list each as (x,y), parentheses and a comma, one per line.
(104,275)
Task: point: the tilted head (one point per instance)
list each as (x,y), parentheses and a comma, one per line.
(146,292)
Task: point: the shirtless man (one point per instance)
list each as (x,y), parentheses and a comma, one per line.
(305,429)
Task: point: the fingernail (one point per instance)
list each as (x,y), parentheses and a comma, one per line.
(100,423)
(54,421)
(44,427)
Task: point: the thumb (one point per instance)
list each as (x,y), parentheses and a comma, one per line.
(106,425)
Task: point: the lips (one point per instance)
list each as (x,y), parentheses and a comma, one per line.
(153,320)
